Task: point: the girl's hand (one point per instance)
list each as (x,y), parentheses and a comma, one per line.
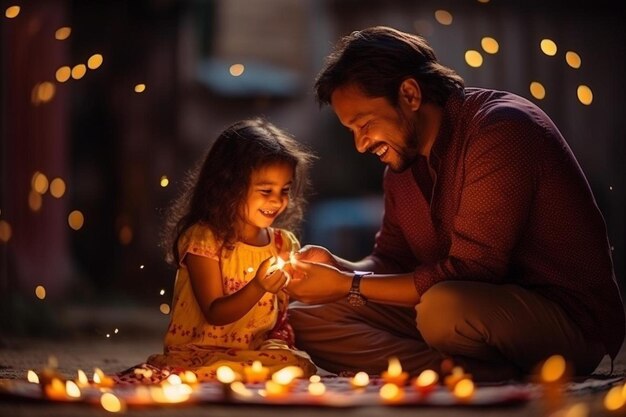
(272,282)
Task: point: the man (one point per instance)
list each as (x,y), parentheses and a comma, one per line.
(492,251)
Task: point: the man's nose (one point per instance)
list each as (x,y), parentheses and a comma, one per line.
(361,142)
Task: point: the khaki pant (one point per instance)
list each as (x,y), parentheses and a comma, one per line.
(496,332)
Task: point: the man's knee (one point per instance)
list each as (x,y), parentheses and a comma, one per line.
(438,312)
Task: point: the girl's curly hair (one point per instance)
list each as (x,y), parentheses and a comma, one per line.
(214,190)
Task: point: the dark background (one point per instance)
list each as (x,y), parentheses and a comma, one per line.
(111,145)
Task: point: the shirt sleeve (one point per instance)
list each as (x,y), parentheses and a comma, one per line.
(500,171)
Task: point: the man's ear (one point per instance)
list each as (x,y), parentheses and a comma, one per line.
(410,94)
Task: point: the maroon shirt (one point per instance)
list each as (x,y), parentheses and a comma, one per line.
(505,202)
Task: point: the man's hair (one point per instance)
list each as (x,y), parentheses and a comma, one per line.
(378,59)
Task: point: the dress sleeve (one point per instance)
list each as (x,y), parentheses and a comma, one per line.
(198,240)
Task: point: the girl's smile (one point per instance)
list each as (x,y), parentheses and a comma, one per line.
(267,198)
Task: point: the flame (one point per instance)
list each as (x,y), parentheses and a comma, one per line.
(614,399)
(111,403)
(427,378)
(316,388)
(240,389)
(360,380)
(32,377)
(225,374)
(553,368)
(391,392)
(286,375)
(72,389)
(464,389)
(394,369)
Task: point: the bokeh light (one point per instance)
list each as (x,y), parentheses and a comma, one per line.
(489,45)
(57,187)
(42,92)
(140,88)
(79,71)
(5,231)
(35,201)
(444,17)
(548,47)
(537,90)
(63,74)
(164,181)
(63,33)
(236,70)
(473,58)
(12,11)
(95,61)
(164,308)
(573,59)
(39,182)
(40,292)
(585,95)
(76,220)
(126,235)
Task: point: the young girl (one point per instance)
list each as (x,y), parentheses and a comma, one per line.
(227,308)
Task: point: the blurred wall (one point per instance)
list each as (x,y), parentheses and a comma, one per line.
(115,147)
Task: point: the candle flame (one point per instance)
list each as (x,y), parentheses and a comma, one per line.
(98,375)
(286,375)
(464,389)
(361,379)
(427,377)
(190,377)
(32,377)
(553,368)
(391,392)
(72,389)
(280,263)
(225,374)
(615,398)
(240,389)
(394,369)
(316,388)
(111,403)
(82,378)
(257,366)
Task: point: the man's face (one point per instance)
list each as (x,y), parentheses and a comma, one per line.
(378,127)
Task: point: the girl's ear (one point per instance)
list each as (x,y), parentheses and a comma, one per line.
(410,94)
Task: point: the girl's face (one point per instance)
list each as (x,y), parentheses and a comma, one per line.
(268,196)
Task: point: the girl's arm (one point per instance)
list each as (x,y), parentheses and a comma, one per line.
(220,309)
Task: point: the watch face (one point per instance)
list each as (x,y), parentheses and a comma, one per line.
(356,300)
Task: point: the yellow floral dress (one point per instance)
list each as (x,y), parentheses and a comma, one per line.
(263,334)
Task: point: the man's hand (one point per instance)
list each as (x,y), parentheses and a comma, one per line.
(316,283)
(317,254)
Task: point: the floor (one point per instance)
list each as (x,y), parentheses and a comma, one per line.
(97,344)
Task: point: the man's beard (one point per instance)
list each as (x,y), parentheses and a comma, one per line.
(407,155)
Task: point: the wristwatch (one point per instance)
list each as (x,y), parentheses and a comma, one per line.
(355,298)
